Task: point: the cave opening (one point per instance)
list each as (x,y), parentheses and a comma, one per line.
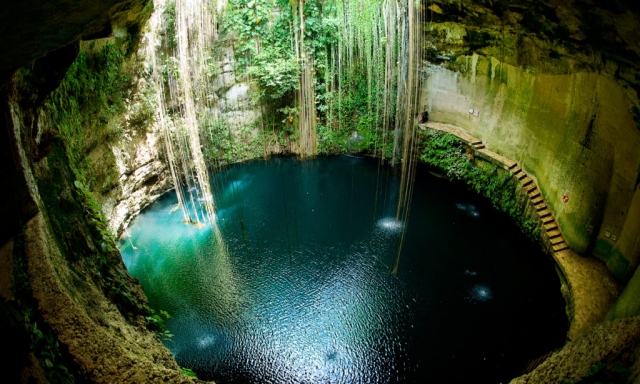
(187,133)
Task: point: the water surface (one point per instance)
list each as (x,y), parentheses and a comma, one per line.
(296,288)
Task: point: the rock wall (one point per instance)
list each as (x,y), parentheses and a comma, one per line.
(627,305)
(137,173)
(607,342)
(62,282)
(132,172)
(86,314)
(569,132)
(236,99)
(562,109)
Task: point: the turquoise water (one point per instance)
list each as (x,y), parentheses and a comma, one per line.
(295,287)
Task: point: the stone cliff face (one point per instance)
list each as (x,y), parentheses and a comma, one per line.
(65,291)
(553,86)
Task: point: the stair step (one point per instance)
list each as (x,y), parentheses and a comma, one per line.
(557,240)
(547,219)
(553,233)
(513,166)
(534,194)
(476,142)
(509,163)
(479,146)
(515,169)
(520,175)
(526,181)
(537,200)
(544,213)
(540,207)
(530,188)
(550,226)
(560,247)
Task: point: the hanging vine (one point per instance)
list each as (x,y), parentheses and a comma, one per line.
(332,76)
(183,85)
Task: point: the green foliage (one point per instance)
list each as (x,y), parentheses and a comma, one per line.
(188,372)
(277,73)
(321,28)
(353,111)
(42,340)
(267,52)
(603,373)
(91,93)
(266,37)
(264,52)
(170,68)
(170,39)
(346,44)
(223,146)
(95,216)
(156,321)
(446,152)
(253,21)
(49,355)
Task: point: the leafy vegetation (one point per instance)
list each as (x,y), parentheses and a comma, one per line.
(351,110)
(222,146)
(95,216)
(170,39)
(86,110)
(43,343)
(445,151)
(93,90)
(188,372)
(603,373)
(345,45)
(271,51)
(156,322)
(277,73)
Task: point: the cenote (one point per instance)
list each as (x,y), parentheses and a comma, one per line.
(296,287)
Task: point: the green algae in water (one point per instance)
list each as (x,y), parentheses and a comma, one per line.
(301,290)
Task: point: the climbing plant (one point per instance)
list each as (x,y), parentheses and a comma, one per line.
(446,152)
(327,68)
(93,90)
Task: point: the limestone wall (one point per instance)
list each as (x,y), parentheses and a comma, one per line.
(132,172)
(573,132)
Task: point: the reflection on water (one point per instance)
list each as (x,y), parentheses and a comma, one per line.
(469,209)
(479,293)
(294,283)
(390,225)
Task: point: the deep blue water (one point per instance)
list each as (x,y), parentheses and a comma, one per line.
(297,288)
